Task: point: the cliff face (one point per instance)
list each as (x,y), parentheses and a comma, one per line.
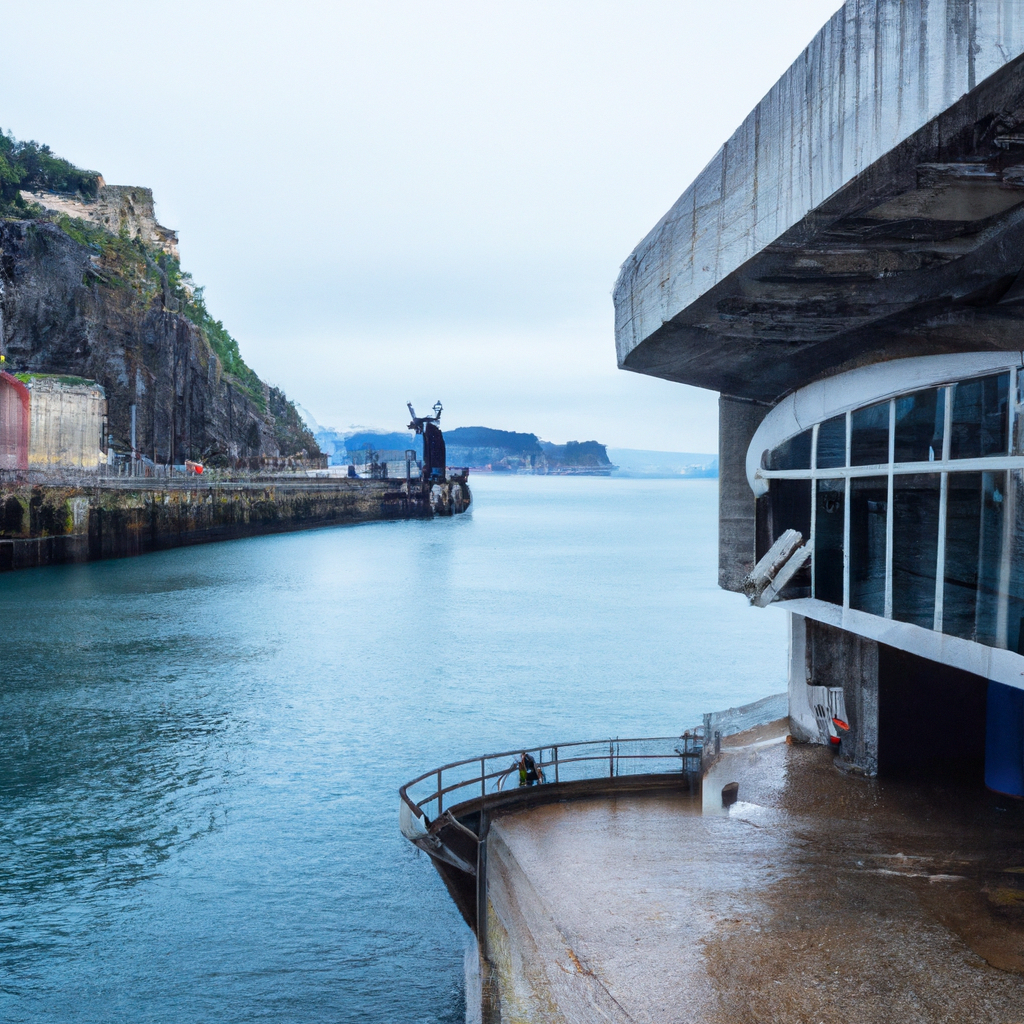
(112,305)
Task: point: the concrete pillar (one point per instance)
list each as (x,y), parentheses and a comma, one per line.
(737,421)
(822,655)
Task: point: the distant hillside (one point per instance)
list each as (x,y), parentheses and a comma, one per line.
(485,437)
(583,454)
(479,448)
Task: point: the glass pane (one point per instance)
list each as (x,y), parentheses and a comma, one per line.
(791,507)
(915,547)
(980,415)
(791,510)
(832,443)
(869,435)
(1015,565)
(868,507)
(974,533)
(828,540)
(919,424)
(792,454)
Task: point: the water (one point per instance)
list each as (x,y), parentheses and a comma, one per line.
(200,749)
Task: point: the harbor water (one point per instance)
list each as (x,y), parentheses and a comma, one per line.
(200,750)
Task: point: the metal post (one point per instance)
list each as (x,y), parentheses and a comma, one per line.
(554,752)
(483,777)
(133,439)
(481,887)
(611,760)
(440,795)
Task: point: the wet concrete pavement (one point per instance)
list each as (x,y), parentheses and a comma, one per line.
(816,897)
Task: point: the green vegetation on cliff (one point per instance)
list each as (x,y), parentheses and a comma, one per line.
(124,262)
(29,166)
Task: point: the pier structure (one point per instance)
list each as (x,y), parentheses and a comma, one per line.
(848,274)
(726,875)
(67,495)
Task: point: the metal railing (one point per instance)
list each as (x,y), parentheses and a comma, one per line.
(429,795)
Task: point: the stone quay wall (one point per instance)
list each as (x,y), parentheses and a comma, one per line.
(81,521)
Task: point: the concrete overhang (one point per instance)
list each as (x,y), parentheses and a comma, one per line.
(871,206)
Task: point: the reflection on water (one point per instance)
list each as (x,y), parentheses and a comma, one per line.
(200,750)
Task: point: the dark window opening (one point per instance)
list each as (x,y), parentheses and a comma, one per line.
(868,510)
(791,510)
(931,720)
(920,421)
(832,443)
(869,435)
(980,418)
(915,546)
(828,540)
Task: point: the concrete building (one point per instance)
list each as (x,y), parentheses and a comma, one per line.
(848,273)
(50,422)
(14,423)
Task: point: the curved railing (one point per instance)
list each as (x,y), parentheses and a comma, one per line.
(431,794)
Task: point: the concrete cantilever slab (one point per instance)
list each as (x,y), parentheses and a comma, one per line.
(874,193)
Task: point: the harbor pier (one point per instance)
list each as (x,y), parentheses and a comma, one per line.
(56,519)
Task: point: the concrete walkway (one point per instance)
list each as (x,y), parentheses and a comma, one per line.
(817,897)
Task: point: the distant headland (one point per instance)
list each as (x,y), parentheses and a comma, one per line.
(485,449)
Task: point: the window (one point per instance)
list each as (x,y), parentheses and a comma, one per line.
(980,421)
(920,420)
(974,533)
(869,507)
(832,443)
(869,435)
(792,454)
(915,544)
(828,540)
(899,525)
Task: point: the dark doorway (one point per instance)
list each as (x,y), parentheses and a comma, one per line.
(931,719)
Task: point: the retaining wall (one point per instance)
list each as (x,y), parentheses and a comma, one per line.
(79,522)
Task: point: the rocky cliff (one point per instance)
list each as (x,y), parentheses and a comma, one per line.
(90,285)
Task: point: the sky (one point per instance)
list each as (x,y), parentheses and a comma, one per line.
(396,201)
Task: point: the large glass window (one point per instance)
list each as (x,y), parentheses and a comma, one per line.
(832,443)
(828,540)
(899,524)
(920,422)
(869,507)
(915,545)
(869,435)
(980,418)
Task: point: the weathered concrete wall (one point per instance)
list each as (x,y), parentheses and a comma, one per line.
(65,424)
(737,421)
(822,655)
(15,418)
(42,525)
(878,71)
(540,977)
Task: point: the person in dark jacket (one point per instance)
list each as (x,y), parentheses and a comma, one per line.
(529,773)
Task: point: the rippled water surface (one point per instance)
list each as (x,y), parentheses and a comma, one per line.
(200,749)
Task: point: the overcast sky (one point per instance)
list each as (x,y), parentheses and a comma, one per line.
(413,200)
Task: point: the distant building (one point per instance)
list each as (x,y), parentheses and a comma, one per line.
(51,422)
(846,272)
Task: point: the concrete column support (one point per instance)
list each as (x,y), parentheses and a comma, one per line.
(738,418)
(823,655)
